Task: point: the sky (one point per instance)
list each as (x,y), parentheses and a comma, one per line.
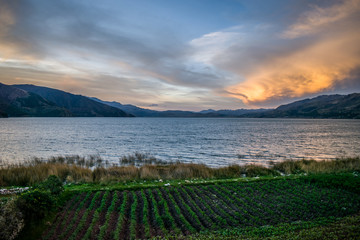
(184,54)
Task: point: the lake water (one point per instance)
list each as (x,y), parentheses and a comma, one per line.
(213,141)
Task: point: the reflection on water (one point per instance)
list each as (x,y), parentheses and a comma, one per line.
(210,141)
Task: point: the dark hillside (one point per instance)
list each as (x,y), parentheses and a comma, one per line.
(16,102)
(79,106)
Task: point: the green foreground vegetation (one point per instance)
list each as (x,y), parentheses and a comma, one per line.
(289,200)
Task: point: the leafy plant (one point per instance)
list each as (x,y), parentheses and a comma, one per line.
(52,184)
(35,204)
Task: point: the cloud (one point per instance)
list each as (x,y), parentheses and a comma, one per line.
(82,38)
(277,51)
(313,20)
(300,67)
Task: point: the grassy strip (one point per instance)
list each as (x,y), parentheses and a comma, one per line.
(139,185)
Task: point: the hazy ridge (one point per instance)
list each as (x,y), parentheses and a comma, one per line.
(36,101)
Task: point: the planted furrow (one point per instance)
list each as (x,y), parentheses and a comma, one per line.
(216,205)
(68,217)
(92,227)
(186,210)
(233,208)
(105,205)
(87,217)
(251,203)
(201,215)
(215,218)
(157,225)
(145,214)
(121,209)
(124,223)
(79,213)
(118,197)
(110,210)
(168,219)
(132,228)
(88,206)
(253,214)
(175,211)
(141,220)
(60,216)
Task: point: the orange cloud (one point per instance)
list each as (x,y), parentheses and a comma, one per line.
(328,59)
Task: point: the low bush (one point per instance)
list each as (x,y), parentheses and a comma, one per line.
(35,204)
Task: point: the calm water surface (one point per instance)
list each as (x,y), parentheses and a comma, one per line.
(202,140)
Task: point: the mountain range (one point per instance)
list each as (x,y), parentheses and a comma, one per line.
(36,101)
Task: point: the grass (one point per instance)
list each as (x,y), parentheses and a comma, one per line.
(75,169)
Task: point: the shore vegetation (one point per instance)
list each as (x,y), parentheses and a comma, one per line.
(93,169)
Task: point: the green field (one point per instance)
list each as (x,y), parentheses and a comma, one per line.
(226,209)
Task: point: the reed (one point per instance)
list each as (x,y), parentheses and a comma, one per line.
(312,166)
(95,170)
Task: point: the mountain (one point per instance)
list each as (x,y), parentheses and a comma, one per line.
(325,106)
(79,106)
(131,109)
(143,112)
(15,102)
(30,100)
(235,113)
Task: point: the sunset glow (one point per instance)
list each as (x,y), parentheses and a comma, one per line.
(186,55)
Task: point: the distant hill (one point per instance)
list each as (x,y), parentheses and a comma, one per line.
(326,106)
(131,109)
(235,113)
(143,112)
(79,106)
(15,102)
(30,100)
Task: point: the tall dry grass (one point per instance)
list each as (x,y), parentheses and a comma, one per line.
(312,166)
(95,170)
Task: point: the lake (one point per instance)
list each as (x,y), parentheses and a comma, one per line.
(212,141)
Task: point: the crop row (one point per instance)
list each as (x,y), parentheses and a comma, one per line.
(188,209)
